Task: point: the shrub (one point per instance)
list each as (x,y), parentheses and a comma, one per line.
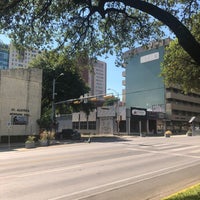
(30,139)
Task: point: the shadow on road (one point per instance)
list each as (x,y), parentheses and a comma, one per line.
(12,147)
(93,138)
(104,139)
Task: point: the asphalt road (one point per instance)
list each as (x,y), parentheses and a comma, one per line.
(135,168)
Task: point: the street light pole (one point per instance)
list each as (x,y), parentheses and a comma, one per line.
(53,98)
(53,101)
(117,109)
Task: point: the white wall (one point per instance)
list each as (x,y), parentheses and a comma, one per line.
(20,95)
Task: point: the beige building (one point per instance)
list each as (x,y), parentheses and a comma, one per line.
(21,58)
(20,102)
(180,108)
(96,79)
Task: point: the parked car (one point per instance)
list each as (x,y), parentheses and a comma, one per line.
(69,134)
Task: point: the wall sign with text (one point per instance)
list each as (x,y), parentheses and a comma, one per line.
(138,112)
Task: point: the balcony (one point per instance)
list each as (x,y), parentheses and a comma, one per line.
(124,74)
(182,97)
(182,107)
(123,95)
(179,118)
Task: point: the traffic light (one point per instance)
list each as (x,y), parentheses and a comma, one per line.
(108,97)
(93,99)
(76,102)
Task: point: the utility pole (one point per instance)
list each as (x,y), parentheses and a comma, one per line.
(117,109)
(53,98)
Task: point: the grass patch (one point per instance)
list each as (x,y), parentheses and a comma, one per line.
(192,193)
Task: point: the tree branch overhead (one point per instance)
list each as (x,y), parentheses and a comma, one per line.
(98,25)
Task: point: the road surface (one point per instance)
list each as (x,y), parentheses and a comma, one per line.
(122,168)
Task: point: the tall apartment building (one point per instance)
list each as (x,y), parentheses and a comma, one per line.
(165,108)
(96,78)
(21,58)
(4,56)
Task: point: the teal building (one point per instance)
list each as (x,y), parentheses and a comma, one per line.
(144,85)
(145,90)
(152,107)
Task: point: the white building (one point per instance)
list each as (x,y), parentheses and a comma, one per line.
(20,58)
(20,102)
(102,120)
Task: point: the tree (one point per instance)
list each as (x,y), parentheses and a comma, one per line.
(111,101)
(98,25)
(178,67)
(68,86)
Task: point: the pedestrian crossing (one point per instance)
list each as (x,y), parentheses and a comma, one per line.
(168,148)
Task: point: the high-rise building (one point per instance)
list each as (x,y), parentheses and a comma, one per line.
(96,77)
(21,58)
(4,56)
(161,107)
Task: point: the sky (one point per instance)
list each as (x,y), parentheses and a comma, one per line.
(114,74)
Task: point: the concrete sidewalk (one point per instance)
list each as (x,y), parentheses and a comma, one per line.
(21,145)
(11,147)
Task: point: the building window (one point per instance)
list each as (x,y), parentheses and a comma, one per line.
(75,125)
(92,125)
(83,125)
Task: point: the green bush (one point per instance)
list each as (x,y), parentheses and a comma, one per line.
(192,193)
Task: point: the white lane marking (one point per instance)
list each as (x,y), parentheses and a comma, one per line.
(195,151)
(94,163)
(153,174)
(165,152)
(77,166)
(182,148)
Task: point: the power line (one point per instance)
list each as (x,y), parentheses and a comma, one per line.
(145,90)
